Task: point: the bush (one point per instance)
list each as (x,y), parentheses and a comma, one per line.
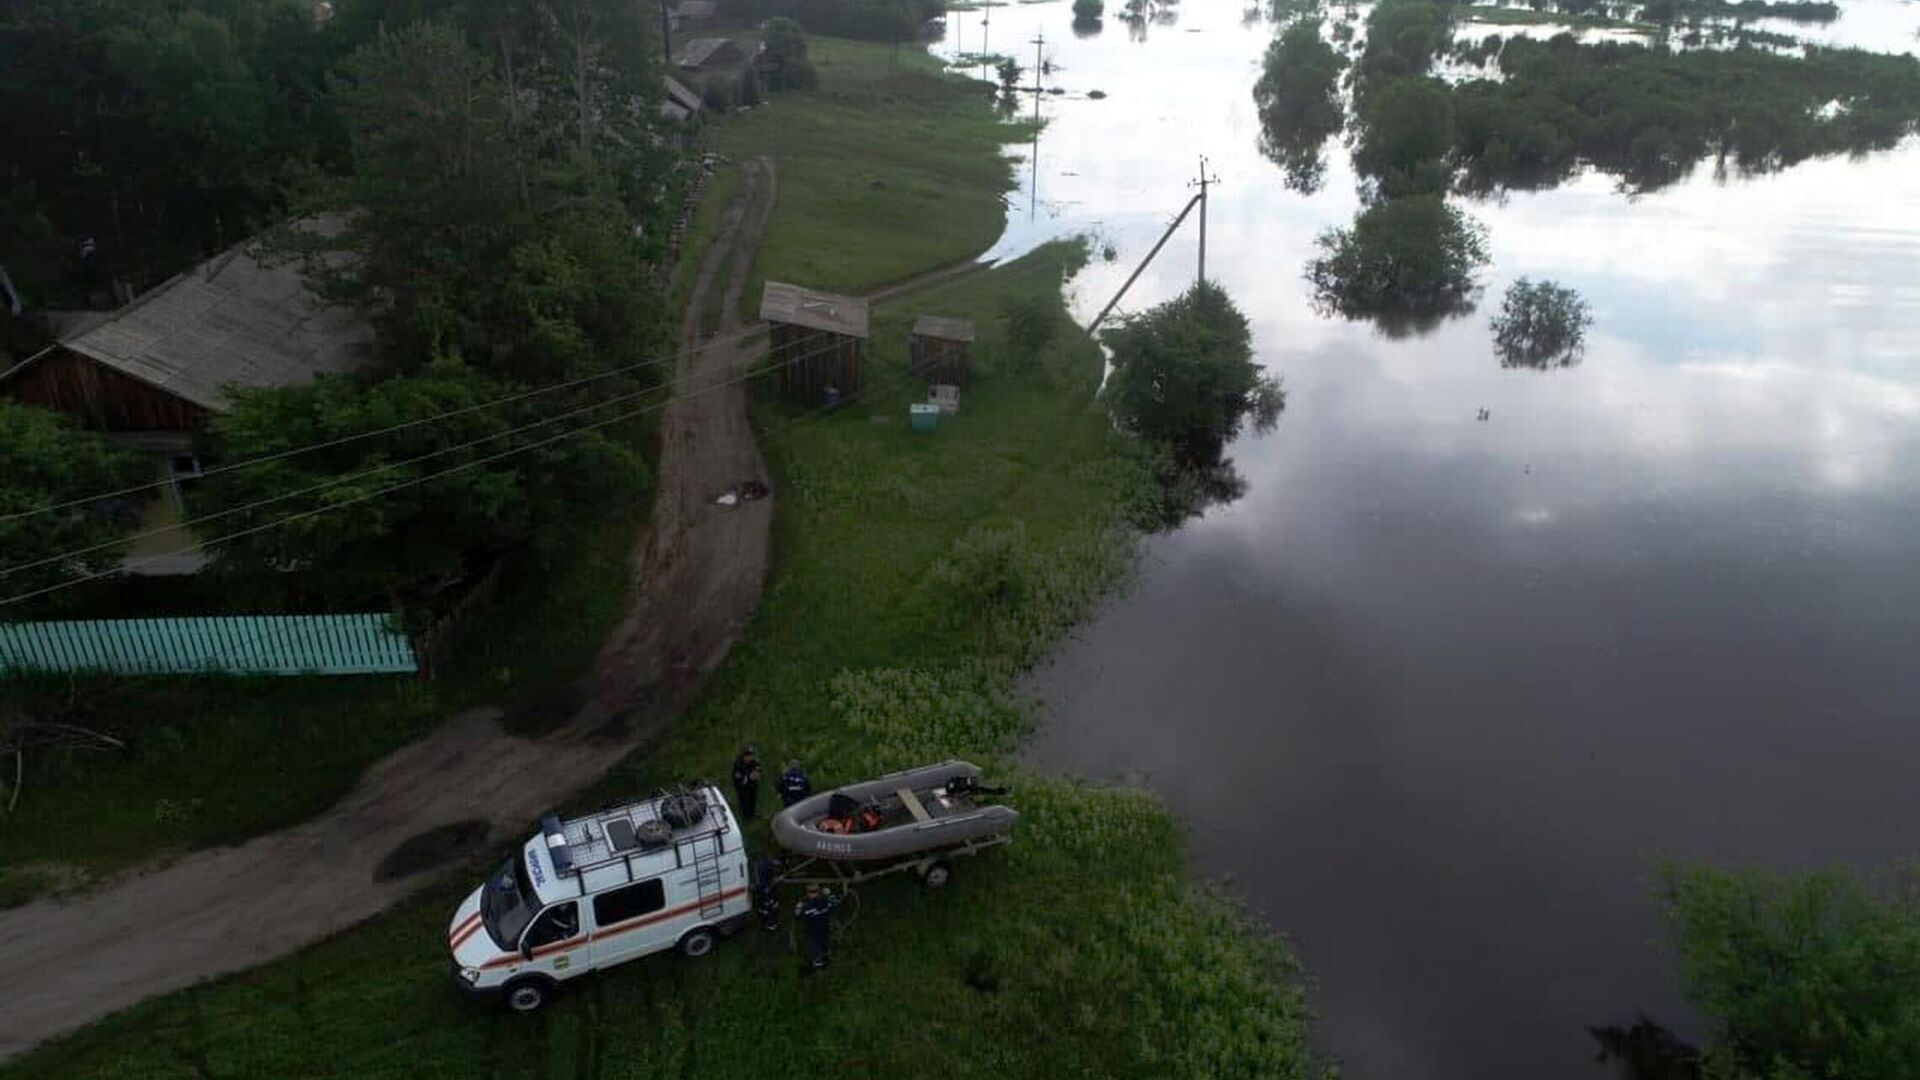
(1405,263)
(1815,975)
(1541,325)
(1085,11)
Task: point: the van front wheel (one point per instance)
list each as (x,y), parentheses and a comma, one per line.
(528,995)
(698,943)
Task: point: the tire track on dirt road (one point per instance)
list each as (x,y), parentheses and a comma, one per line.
(697,574)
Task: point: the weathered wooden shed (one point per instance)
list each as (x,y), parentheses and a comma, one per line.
(164,362)
(817,341)
(939,349)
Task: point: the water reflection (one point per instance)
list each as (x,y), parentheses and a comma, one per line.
(1433,689)
(1645,1050)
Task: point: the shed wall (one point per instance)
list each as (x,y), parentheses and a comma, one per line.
(99,396)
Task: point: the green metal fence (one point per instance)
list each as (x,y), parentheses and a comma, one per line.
(234,644)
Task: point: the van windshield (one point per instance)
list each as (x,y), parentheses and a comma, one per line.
(508,904)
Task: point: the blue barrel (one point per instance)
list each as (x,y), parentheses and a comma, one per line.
(924,417)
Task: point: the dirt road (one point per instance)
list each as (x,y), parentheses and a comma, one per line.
(697,574)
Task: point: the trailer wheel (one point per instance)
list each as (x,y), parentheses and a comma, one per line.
(698,943)
(936,875)
(527,995)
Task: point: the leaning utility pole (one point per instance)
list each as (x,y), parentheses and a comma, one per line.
(1203,183)
(666,33)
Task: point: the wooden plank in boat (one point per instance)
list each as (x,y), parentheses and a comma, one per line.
(912,802)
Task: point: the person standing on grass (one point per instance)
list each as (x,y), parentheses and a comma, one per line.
(746,781)
(794,784)
(815,915)
(766,895)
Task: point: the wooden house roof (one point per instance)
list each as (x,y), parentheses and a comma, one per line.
(234,320)
(943,327)
(816,310)
(680,103)
(699,52)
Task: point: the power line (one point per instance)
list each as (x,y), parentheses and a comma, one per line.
(343,440)
(302,515)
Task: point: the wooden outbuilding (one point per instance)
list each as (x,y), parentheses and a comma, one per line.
(817,341)
(939,349)
(164,362)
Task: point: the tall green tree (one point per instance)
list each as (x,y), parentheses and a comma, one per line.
(45,461)
(1805,977)
(1405,263)
(1184,374)
(505,493)
(1298,95)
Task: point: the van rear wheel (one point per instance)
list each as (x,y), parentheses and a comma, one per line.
(698,943)
(528,995)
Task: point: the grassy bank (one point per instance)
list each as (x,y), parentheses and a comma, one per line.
(916,575)
(890,168)
(217,760)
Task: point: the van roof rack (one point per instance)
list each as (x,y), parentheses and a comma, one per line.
(651,826)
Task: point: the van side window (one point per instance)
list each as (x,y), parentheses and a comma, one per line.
(557,923)
(619,905)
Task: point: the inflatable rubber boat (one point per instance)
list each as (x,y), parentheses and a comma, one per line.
(896,816)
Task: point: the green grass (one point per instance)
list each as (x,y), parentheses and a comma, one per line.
(915,574)
(879,117)
(217,760)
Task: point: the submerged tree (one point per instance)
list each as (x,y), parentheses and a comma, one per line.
(1088,11)
(1298,97)
(1815,975)
(1185,381)
(1541,325)
(1406,263)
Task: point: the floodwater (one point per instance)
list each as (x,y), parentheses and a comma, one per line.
(1438,690)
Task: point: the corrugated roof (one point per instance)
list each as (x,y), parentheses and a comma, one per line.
(234,319)
(816,310)
(943,327)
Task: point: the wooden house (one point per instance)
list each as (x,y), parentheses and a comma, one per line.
(153,372)
(939,349)
(817,340)
(163,362)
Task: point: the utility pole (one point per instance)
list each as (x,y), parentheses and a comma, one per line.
(1203,183)
(666,33)
(1039,62)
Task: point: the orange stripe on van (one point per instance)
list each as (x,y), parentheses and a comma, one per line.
(632,924)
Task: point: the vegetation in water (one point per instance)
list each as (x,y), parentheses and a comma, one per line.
(1088,11)
(1648,114)
(1809,975)
(1404,129)
(1298,95)
(1406,263)
(1185,381)
(1541,325)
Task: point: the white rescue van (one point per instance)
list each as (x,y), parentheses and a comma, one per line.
(667,872)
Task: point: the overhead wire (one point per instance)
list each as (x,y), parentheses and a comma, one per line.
(282,455)
(95,575)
